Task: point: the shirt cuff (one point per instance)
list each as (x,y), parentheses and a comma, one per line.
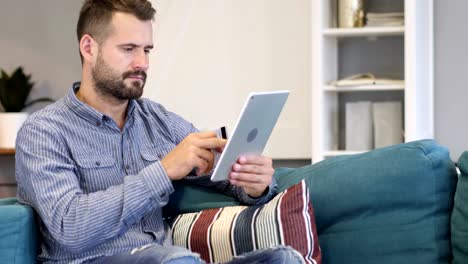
(159,184)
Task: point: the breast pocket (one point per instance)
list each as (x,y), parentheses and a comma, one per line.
(155,153)
(98,172)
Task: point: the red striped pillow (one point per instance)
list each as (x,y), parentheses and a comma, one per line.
(222,233)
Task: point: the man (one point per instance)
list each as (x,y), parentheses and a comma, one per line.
(98,165)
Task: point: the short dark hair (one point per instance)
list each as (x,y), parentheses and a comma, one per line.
(96,15)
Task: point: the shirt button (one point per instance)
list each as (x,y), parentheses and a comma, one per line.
(98,123)
(98,163)
(127,167)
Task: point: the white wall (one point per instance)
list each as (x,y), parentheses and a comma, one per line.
(228,49)
(40,36)
(451,69)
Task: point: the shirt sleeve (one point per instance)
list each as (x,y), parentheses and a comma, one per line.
(48,181)
(179,127)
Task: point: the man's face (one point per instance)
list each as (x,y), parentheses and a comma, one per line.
(119,70)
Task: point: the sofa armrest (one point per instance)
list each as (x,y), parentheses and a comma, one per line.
(18,233)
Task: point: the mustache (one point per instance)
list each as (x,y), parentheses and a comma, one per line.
(134,74)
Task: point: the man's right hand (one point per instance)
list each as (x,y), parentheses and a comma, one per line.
(193,151)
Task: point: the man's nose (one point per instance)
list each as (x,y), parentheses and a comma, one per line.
(141,61)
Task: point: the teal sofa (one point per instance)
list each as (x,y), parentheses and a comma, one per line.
(390,205)
(18,233)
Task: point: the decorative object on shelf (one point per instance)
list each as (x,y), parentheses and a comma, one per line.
(388,123)
(14,92)
(361,79)
(373,125)
(389,19)
(350,13)
(359,133)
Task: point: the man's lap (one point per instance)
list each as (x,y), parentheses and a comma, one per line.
(175,255)
(153,254)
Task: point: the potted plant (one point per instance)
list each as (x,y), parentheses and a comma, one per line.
(14,92)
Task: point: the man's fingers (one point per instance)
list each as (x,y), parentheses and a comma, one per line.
(207,155)
(248,177)
(255,159)
(205,134)
(253,169)
(206,139)
(210,143)
(249,168)
(203,159)
(254,173)
(202,166)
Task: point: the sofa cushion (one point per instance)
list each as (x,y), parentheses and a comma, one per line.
(222,233)
(390,205)
(459,221)
(18,243)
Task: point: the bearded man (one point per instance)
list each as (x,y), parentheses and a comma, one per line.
(98,165)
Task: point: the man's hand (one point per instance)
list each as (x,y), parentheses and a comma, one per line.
(193,151)
(253,173)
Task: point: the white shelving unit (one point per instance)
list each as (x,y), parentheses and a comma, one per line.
(363,32)
(330,88)
(404,51)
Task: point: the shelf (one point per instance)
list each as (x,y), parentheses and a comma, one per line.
(8,151)
(365,88)
(333,153)
(402,56)
(364,31)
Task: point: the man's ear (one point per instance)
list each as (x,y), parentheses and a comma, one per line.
(88,48)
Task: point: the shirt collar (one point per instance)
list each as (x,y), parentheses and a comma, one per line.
(87,112)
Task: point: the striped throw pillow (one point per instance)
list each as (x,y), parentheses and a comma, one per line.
(222,233)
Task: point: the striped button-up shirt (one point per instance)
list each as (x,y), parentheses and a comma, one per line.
(97,189)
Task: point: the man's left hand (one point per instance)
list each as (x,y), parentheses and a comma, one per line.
(253,173)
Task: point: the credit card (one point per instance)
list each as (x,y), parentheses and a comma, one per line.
(220,133)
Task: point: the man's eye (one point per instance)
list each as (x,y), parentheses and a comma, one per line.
(147,51)
(128,49)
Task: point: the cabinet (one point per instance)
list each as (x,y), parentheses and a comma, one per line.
(396,52)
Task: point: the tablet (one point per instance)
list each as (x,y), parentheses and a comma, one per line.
(252,130)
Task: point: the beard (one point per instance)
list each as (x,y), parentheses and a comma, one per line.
(110,83)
